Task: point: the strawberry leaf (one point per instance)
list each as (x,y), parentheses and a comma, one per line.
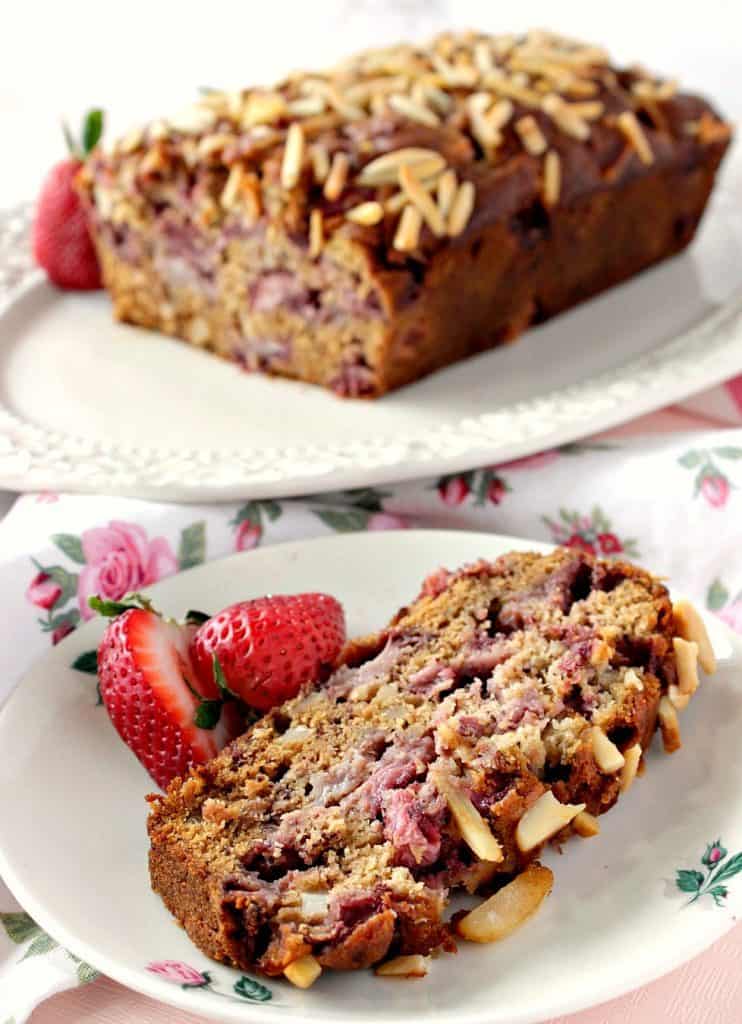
(208,713)
(221,680)
(196,618)
(72,148)
(86,662)
(110,609)
(92,130)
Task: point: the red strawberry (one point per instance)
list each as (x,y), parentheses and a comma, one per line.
(270,647)
(147,684)
(61,240)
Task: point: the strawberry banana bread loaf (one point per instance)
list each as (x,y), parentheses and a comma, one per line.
(362,227)
(510,702)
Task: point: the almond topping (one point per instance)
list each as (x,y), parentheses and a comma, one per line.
(634,133)
(366,214)
(293,156)
(414,966)
(565,117)
(414,111)
(410,184)
(320,163)
(686,664)
(552,183)
(263,108)
(447,186)
(678,699)
(586,825)
(303,972)
(632,757)
(231,190)
(531,135)
(589,110)
(407,236)
(543,819)
(607,755)
(474,830)
(509,908)
(461,209)
(691,627)
(316,234)
(499,115)
(669,726)
(384,170)
(337,177)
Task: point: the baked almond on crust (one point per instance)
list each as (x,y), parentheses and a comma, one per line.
(509,703)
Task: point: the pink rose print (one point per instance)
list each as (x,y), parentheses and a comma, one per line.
(179,973)
(609,544)
(496,490)
(453,490)
(732,615)
(727,607)
(715,490)
(43,591)
(247,535)
(386,521)
(575,541)
(118,559)
(61,632)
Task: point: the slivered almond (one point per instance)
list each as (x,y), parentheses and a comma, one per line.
(586,825)
(509,908)
(565,117)
(686,664)
(499,114)
(337,177)
(531,135)
(306,106)
(543,819)
(365,214)
(413,189)
(669,725)
(678,699)
(447,186)
(384,170)
(231,190)
(552,183)
(474,830)
(320,162)
(461,209)
(691,627)
(607,755)
(303,972)
(406,106)
(263,108)
(632,757)
(628,123)
(293,156)
(407,236)
(413,966)
(316,233)
(590,110)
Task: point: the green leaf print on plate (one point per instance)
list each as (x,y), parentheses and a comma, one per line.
(192,546)
(69,545)
(718,870)
(179,973)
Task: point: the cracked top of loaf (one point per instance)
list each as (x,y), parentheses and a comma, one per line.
(406,147)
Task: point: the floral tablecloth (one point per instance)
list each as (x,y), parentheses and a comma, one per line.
(658,499)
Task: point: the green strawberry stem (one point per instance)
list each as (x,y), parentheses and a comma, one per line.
(110,609)
(90,135)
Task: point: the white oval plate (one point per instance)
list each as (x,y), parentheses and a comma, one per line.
(73,845)
(89,405)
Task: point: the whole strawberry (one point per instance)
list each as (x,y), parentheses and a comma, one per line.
(265,650)
(61,239)
(168,717)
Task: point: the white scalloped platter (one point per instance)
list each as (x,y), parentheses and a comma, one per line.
(89,405)
(73,842)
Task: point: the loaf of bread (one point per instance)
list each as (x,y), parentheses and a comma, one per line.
(337,826)
(362,227)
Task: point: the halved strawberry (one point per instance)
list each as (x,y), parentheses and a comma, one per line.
(163,712)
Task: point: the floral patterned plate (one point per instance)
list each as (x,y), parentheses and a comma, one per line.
(661,882)
(89,405)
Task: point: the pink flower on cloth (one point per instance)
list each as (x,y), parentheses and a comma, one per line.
(732,615)
(247,536)
(118,559)
(386,521)
(43,591)
(179,973)
(453,489)
(715,490)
